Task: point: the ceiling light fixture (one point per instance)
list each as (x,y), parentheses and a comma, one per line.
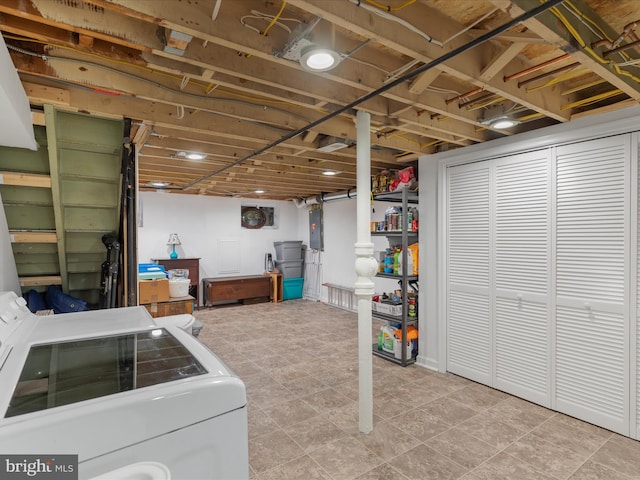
(503,122)
(330,172)
(259,191)
(192,155)
(498,117)
(159,184)
(319,59)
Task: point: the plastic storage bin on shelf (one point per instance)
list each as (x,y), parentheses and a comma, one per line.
(290,268)
(292,288)
(289,250)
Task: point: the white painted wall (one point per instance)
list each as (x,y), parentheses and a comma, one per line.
(202,223)
(16,128)
(8,271)
(339,239)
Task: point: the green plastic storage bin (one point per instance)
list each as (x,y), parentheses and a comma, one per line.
(292,288)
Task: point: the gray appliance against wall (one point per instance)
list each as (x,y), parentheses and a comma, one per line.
(316,236)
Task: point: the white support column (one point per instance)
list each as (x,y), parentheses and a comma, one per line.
(366,267)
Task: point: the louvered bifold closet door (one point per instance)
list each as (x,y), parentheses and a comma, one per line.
(592,279)
(522,280)
(468,272)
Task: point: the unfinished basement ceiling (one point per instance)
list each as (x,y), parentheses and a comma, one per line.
(220,77)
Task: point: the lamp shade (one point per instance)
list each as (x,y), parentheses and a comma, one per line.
(173,239)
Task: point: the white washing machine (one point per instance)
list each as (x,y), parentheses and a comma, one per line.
(134,397)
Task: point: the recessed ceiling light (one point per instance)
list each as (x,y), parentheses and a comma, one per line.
(318,59)
(259,191)
(330,172)
(159,184)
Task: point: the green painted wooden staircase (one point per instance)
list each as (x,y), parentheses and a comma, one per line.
(60,200)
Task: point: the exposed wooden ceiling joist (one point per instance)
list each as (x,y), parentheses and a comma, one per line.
(228,91)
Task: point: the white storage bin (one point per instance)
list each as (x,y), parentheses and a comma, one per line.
(178,287)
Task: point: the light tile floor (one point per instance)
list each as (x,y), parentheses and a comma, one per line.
(298,360)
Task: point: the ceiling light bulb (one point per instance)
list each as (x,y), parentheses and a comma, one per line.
(320,60)
(195,156)
(258,191)
(317,59)
(329,172)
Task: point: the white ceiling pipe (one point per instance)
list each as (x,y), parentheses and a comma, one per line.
(325,197)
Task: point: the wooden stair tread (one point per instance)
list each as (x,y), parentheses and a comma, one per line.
(25,179)
(33,236)
(40,281)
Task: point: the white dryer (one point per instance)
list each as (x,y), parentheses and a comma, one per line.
(132,396)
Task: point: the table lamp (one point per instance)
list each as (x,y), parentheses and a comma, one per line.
(173,241)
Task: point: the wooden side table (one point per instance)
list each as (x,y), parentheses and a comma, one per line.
(276,286)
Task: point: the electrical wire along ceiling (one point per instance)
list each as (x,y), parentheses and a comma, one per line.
(232,98)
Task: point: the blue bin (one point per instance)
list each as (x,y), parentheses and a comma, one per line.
(292,288)
(150,271)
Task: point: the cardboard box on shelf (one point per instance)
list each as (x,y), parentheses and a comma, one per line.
(152,291)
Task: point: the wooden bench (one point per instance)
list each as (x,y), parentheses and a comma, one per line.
(249,289)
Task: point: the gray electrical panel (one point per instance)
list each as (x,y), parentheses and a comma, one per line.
(315,228)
